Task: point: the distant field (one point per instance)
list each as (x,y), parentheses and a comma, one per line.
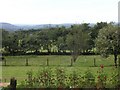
(15,65)
(56,60)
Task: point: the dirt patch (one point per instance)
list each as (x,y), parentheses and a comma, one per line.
(4,84)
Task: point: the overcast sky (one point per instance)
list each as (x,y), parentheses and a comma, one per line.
(58,11)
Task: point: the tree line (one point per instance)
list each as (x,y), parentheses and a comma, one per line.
(58,39)
(102,38)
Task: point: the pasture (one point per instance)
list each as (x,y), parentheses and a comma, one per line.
(16,65)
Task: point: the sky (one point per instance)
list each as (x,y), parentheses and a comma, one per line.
(58,11)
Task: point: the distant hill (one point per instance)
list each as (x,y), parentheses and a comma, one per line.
(14,27)
(9,27)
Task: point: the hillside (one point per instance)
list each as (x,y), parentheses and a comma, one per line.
(14,27)
(9,27)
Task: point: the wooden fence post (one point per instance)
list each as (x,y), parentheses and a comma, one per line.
(47,62)
(26,62)
(5,80)
(71,62)
(5,62)
(94,62)
(119,61)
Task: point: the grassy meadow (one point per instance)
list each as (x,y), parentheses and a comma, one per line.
(16,65)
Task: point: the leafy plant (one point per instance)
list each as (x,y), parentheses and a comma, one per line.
(45,78)
(113,81)
(74,80)
(102,77)
(88,79)
(61,77)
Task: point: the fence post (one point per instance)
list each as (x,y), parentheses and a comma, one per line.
(47,62)
(26,62)
(5,80)
(4,59)
(71,62)
(94,62)
(5,62)
(13,83)
(119,72)
(119,61)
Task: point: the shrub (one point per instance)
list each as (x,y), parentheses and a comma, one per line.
(113,81)
(102,77)
(61,78)
(88,80)
(74,80)
(29,80)
(44,79)
(47,78)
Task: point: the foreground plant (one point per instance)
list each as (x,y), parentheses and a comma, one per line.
(102,77)
(29,80)
(88,80)
(48,78)
(60,77)
(74,80)
(45,78)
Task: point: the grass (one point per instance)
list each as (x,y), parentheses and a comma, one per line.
(16,65)
(55,60)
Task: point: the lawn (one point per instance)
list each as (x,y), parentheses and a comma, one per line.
(15,65)
(58,60)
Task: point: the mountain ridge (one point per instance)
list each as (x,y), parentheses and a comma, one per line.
(15,27)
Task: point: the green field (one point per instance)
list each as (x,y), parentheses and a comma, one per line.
(15,65)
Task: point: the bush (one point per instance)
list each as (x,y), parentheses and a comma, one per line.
(47,78)
(88,80)
(102,77)
(75,80)
(113,81)
(61,78)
